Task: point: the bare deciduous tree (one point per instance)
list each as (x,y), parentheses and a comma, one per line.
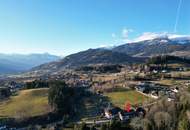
(162,120)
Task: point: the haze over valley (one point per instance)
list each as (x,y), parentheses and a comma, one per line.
(14,63)
(95,65)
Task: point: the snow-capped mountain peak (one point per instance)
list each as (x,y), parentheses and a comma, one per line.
(180,38)
(162,38)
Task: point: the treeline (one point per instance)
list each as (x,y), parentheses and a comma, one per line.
(37,84)
(164,59)
(4,92)
(101,68)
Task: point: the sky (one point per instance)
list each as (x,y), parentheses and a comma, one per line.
(63,27)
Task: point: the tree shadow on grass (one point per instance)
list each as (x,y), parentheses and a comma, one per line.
(92,106)
(32,121)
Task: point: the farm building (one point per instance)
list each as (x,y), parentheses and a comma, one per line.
(138,112)
(111,113)
(144,88)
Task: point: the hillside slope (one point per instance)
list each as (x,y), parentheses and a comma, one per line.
(89,57)
(28,103)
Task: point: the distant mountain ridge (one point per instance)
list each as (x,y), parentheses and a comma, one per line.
(88,57)
(136,52)
(13,63)
(157,46)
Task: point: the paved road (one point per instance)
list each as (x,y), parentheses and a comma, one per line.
(95,122)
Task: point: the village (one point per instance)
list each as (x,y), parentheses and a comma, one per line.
(142,81)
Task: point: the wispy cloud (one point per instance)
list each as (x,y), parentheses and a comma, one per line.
(113,35)
(106,46)
(125,32)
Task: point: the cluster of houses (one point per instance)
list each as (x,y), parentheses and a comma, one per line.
(14,86)
(3,127)
(8,88)
(154,69)
(157,69)
(156,90)
(70,78)
(80,83)
(147,88)
(187,84)
(123,115)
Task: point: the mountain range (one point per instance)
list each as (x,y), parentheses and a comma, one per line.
(157,46)
(136,52)
(88,57)
(13,63)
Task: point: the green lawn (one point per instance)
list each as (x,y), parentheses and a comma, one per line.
(27,103)
(120,98)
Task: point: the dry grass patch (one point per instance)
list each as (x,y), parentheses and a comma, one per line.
(28,103)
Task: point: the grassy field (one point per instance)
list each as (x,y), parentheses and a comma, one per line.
(130,96)
(27,103)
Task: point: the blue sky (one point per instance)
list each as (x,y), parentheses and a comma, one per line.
(63,27)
